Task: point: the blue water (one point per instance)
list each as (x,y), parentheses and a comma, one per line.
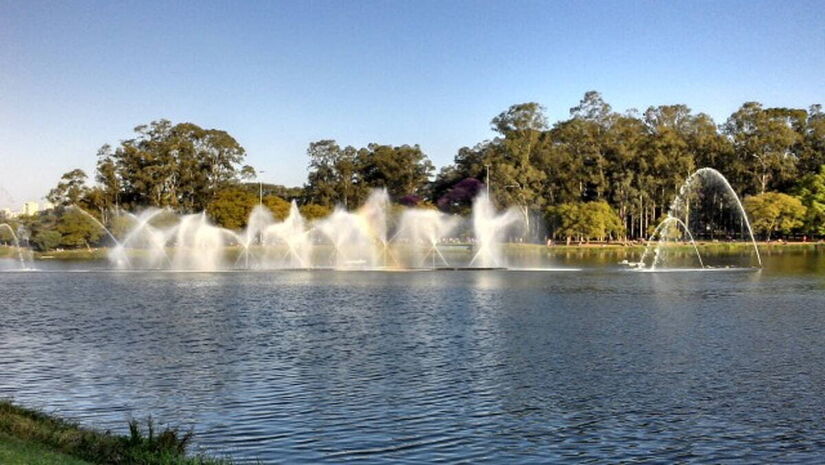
(601,365)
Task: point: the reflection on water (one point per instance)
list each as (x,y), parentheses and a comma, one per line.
(308,367)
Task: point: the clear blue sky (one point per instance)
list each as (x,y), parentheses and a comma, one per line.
(76,75)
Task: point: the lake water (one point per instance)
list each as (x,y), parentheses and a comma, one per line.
(597,365)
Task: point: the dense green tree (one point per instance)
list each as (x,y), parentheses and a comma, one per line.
(634,163)
(47,240)
(764,139)
(70,190)
(314,211)
(812,149)
(516,176)
(232,206)
(334,175)
(180,166)
(277,206)
(584,221)
(77,229)
(811,192)
(402,170)
(774,212)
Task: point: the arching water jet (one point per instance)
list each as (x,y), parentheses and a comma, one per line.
(16,244)
(680,210)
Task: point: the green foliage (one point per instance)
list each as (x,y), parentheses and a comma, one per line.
(314,211)
(585,221)
(14,451)
(811,192)
(402,170)
(77,229)
(231,207)
(70,190)
(6,236)
(334,176)
(344,176)
(47,240)
(149,447)
(180,166)
(766,137)
(773,212)
(278,206)
(634,162)
(121,225)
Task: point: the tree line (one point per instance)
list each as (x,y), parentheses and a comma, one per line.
(600,174)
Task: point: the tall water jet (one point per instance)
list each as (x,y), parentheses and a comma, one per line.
(259,220)
(16,244)
(706,206)
(358,239)
(353,245)
(200,245)
(375,214)
(291,234)
(489,228)
(421,230)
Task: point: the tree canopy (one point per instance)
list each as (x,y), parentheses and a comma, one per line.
(598,164)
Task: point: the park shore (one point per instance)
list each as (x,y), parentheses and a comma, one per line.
(722,247)
(29,436)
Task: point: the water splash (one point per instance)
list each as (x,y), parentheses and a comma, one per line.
(16,245)
(101,225)
(680,211)
(421,231)
(660,232)
(292,234)
(489,228)
(375,236)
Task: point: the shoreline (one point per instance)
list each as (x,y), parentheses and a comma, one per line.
(31,436)
(101,253)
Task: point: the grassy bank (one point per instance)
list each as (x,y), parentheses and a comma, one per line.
(31,437)
(515,249)
(704,247)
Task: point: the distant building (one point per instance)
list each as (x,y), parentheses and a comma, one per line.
(7,213)
(30,208)
(47,205)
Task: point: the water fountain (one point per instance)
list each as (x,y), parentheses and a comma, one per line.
(707,199)
(490,227)
(200,245)
(19,249)
(421,231)
(358,239)
(367,238)
(95,220)
(144,236)
(292,236)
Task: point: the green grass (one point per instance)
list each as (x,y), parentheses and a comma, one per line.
(26,433)
(73,254)
(14,451)
(513,248)
(7,251)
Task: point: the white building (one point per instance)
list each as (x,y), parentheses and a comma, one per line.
(30,208)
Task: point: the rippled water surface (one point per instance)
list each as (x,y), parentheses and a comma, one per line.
(474,367)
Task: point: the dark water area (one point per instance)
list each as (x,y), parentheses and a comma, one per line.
(590,366)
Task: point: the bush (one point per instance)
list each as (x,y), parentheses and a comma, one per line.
(47,240)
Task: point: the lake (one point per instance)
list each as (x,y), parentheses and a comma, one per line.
(602,364)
